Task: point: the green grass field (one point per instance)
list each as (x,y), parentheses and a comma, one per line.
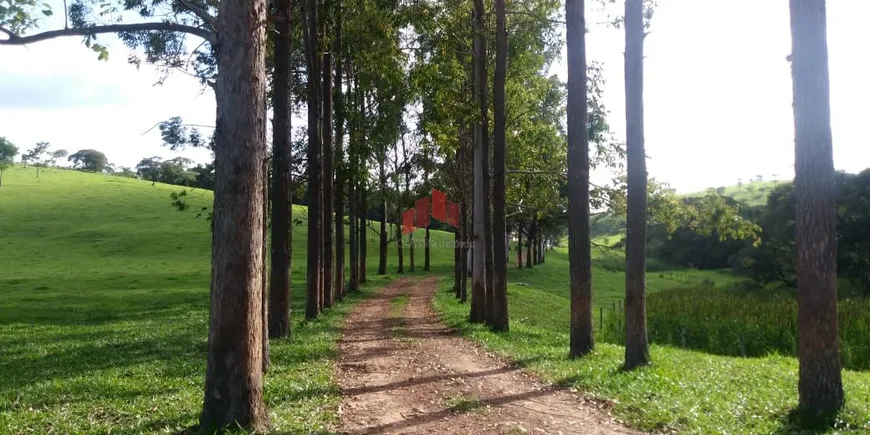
(103,325)
(103,320)
(684,390)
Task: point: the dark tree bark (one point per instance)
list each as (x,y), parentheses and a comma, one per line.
(820,384)
(636,342)
(457,263)
(399,251)
(411,252)
(426,239)
(353,206)
(480,198)
(536,250)
(529,243)
(363,232)
(426,247)
(382,206)
(519,247)
(234,371)
(328,162)
(341,170)
(499,308)
(279,293)
(265,270)
(463,227)
(579,248)
(408,194)
(483,102)
(315,169)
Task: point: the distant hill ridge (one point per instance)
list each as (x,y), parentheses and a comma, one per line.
(751,193)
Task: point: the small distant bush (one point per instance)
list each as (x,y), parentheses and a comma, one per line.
(740,323)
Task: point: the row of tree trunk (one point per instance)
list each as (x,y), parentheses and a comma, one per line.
(234,386)
(489,303)
(820,379)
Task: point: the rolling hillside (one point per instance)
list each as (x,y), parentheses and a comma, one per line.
(752,194)
(103,320)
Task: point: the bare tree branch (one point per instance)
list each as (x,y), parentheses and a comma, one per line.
(199,12)
(14,39)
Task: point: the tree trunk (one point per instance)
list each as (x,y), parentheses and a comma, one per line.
(480,81)
(519,247)
(544,243)
(234,368)
(820,385)
(338,284)
(636,342)
(426,237)
(499,226)
(411,252)
(463,227)
(315,170)
(536,259)
(353,185)
(579,248)
(457,263)
(400,253)
(399,238)
(328,162)
(382,246)
(363,233)
(478,280)
(340,169)
(353,228)
(411,234)
(529,243)
(279,293)
(264,294)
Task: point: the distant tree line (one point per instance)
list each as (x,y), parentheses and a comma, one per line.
(772,258)
(178,171)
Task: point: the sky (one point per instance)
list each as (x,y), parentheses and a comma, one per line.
(717,92)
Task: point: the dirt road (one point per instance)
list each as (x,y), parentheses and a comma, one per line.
(402,371)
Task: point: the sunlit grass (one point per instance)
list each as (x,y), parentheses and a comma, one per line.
(104,314)
(683,390)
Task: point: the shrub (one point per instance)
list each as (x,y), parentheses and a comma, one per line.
(737,323)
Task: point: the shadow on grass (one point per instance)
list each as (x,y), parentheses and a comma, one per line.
(798,421)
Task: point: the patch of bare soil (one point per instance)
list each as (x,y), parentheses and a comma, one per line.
(403,371)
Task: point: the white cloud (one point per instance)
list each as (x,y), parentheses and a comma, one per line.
(717,92)
(57,91)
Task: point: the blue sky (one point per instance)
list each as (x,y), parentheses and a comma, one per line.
(717,92)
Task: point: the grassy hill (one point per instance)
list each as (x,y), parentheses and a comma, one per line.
(753,194)
(103,320)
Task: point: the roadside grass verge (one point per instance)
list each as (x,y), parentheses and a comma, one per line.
(683,390)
